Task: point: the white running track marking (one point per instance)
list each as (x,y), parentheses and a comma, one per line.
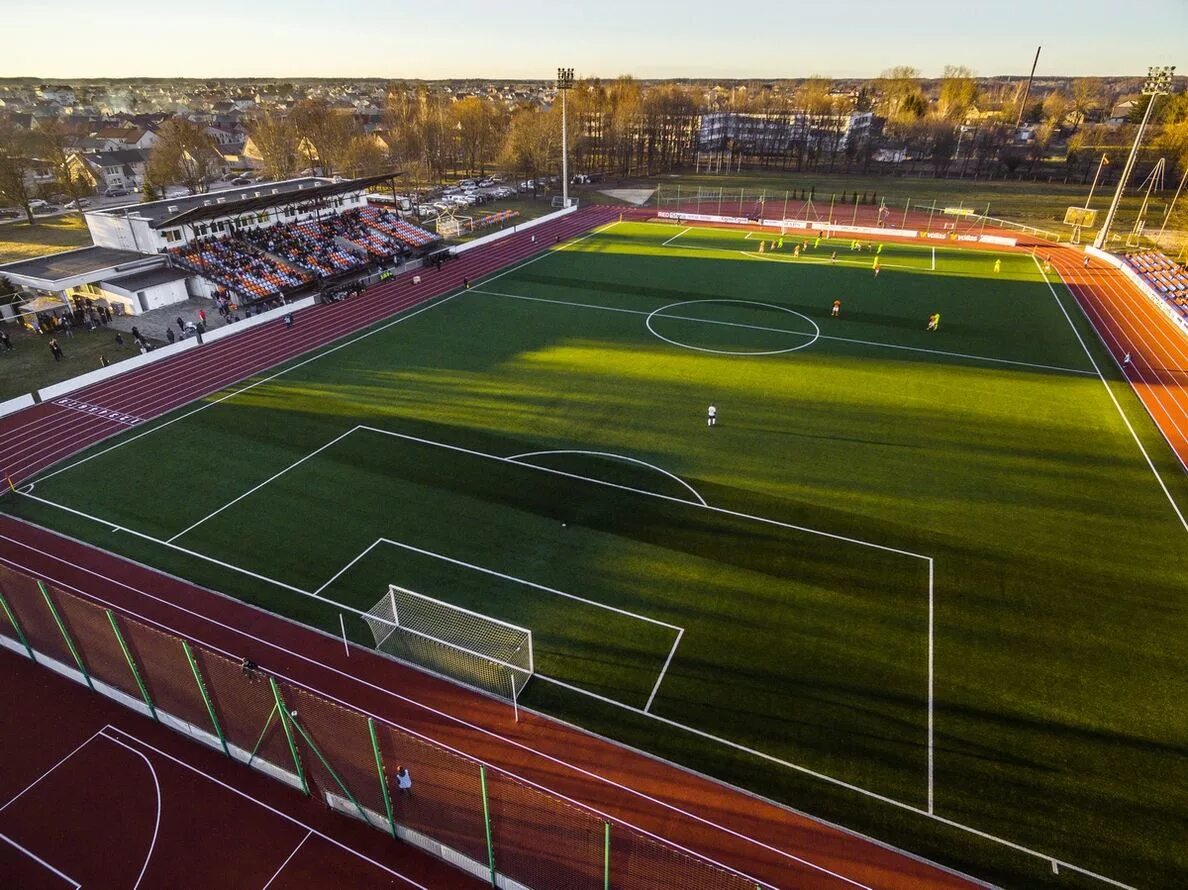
(65,877)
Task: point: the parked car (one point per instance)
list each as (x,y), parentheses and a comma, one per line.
(9,213)
(467,183)
(242,180)
(115,193)
(426,210)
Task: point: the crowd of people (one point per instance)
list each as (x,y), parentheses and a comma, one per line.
(305,244)
(240,267)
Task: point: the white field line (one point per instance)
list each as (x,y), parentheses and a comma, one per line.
(634,460)
(245,796)
(452,718)
(561,593)
(350,564)
(211,403)
(653,494)
(664,670)
(69,880)
(31,785)
(1150,464)
(156,822)
(858,264)
(677,235)
(256,488)
(931,675)
(288,859)
(735,324)
(433,304)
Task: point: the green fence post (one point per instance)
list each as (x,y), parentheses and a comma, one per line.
(606,859)
(15,626)
(66,635)
(383,780)
(214,718)
(131,663)
(487,822)
(338,779)
(284,715)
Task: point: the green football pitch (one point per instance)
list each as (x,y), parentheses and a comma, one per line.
(925,584)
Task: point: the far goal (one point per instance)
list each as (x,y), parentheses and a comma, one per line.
(457,643)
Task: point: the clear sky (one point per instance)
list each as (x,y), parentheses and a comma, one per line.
(530,38)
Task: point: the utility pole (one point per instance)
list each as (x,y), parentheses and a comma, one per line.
(1158,84)
(1027,91)
(564,85)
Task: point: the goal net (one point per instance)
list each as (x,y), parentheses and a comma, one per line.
(457,643)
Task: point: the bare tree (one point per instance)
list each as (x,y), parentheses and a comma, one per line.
(16,164)
(278,143)
(958,91)
(327,133)
(186,154)
(1088,97)
(56,146)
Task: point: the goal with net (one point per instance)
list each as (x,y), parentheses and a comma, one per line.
(457,643)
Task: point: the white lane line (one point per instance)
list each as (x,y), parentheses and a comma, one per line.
(1150,464)
(65,877)
(300,844)
(260,803)
(30,786)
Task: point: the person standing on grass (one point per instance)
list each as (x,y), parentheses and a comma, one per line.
(876,267)
(103,362)
(403,782)
(711,418)
(836,308)
(5,342)
(833,258)
(997,266)
(934,321)
(181,326)
(119,340)
(55,349)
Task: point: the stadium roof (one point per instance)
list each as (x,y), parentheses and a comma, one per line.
(259,198)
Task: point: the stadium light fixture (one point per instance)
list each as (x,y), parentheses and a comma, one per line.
(564,85)
(1159,79)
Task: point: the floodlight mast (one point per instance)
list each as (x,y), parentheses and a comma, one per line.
(1158,84)
(564,85)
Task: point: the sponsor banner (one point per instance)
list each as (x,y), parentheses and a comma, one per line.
(706,217)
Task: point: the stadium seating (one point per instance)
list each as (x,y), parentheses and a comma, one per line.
(1164,275)
(391,224)
(236,266)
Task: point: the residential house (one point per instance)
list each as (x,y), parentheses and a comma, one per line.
(124,169)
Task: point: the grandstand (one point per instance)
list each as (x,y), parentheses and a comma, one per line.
(258,243)
(1164,275)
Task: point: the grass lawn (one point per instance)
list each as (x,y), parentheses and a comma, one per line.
(30,366)
(886,524)
(19,240)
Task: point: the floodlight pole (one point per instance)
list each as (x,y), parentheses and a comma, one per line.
(1096,176)
(1158,84)
(564,85)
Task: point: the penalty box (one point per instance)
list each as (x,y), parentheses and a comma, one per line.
(619,583)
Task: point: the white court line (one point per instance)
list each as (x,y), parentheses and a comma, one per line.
(858,264)
(735,324)
(1150,464)
(30,786)
(677,235)
(598,777)
(288,858)
(69,880)
(157,823)
(663,671)
(261,485)
(260,803)
(634,460)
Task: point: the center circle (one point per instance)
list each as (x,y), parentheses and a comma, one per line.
(813,337)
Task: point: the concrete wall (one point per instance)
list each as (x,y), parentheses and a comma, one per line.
(519,227)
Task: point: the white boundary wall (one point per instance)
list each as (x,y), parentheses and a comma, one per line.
(11,406)
(872,231)
(1143,285)
(514,230)
(164,352)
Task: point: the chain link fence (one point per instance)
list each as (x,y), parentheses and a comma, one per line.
(487,822)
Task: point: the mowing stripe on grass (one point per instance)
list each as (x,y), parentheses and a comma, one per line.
(735,324)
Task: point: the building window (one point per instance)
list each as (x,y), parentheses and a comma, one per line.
(172,235)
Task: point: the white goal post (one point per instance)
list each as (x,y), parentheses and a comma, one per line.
(459,644)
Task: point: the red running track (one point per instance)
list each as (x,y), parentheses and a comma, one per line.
(38,437)
(1128,323)
(104,798)
(748,834)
